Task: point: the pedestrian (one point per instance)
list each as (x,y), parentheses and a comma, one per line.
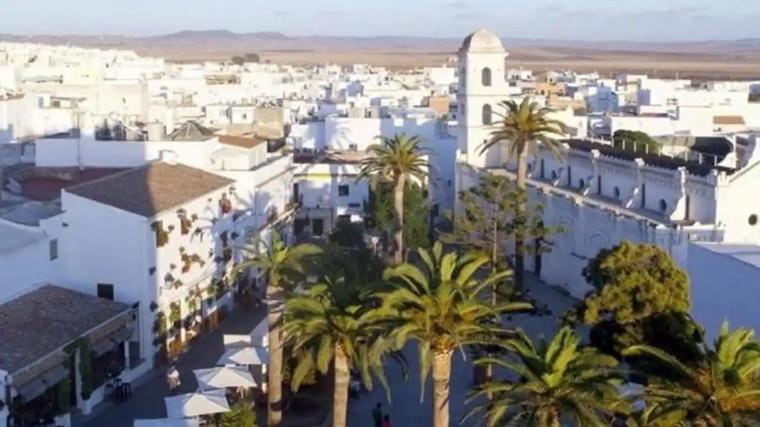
(172,378)
(386,421)
(377,415)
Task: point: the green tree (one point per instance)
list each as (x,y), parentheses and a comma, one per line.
(331,324)
(416,213)
(634,140)
(561,380)
(240,415)
(441,307)
(347,234)
(396,160)
(522,127)
(252,57)
(237,60)
(722,389)
(640,296)
(486,223)
(283,267)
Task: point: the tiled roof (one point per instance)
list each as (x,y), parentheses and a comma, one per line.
(191,131)
(41,321)
(151,189)
(728,120)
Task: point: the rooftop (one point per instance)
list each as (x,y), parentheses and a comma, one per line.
(746,253)
(247,142)
(40,322)
(482,41)
(151,189)
(14,238)
(329,157)
(657,160)
(191,131)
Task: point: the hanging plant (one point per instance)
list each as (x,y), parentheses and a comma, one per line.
(85,368)
(186,263)
(162,236)
(185,225)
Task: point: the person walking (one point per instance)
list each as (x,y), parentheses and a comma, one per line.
(386,421)
(172,378)
(377,415)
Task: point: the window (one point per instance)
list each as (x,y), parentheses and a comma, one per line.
(663,205)
(354,205)
(105,291)
(343,190)
(753,219)
(485,77)
(582,183)
(53,249)
(487,114)
(554,175)
(617,192)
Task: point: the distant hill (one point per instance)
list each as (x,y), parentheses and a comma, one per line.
(702,59)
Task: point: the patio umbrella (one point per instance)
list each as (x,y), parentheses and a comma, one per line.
(168,422)
(250,355)
(223,377)
(196,404)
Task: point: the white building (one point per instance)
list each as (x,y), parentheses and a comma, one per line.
(601,195)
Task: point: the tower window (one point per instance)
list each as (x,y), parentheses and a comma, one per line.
(487,114)
(486,76)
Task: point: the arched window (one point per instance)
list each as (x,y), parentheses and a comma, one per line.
(487,115)
(485,76)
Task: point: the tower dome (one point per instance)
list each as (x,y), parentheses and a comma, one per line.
(482,41)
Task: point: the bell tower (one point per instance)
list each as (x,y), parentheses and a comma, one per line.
(482,86)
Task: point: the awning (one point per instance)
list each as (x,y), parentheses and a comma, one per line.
(39,385)
(108,343)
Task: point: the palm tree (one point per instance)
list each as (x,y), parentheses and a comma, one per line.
(396,160)
(330,323)
(555,381)
(283,266)
(522,127)
(442,307)
(721,389)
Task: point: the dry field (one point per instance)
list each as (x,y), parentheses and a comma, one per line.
(656,64)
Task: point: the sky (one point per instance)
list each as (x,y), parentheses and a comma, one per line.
(598,20)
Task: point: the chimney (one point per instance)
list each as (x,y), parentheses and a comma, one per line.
(156,131)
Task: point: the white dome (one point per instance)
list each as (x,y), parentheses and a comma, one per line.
(482,41)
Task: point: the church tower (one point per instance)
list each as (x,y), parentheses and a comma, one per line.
(482,86)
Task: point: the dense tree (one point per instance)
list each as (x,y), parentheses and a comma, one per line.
(486,223)
(252,57)
(241,414)
(283,266)
(396,160)
(237,60)
(722,389)
(416,213)
(634,140)
(347,234)
(634,281)
(441,307)
(640,296)
(330,324)
(554,383)
(522,127)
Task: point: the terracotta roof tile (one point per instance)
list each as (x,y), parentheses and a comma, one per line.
(151,189)
(41,321)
